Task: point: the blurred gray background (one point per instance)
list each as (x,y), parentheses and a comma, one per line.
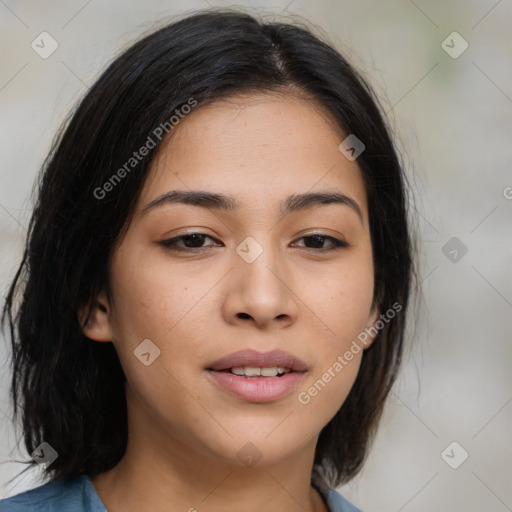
(452,110)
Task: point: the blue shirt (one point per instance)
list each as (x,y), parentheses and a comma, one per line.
(79,495)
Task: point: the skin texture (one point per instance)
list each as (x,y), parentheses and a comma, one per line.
(184,431)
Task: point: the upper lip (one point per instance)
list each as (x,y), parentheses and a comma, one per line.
(255,359)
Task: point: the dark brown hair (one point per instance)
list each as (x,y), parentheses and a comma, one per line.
(69,391)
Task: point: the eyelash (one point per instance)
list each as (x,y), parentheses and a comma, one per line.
(171,244)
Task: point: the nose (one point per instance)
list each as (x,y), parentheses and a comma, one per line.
(260,291)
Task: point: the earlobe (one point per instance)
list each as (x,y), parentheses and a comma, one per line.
(371,329)
(97,326)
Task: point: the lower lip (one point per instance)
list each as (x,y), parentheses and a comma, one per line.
(257,389)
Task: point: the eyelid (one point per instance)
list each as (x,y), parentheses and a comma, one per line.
(336,243)
(178,238)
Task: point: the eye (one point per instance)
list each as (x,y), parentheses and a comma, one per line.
(318,240)
(191,241)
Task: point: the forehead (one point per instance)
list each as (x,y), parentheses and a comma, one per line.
(258,148)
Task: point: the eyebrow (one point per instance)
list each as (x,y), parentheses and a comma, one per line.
(218,201)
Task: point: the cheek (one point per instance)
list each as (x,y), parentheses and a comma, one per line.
(322,397)
(344,306)
(344,302)
(151,300)
(154,304)
(167,308)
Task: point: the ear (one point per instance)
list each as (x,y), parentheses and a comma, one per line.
(97,327)
(371,330)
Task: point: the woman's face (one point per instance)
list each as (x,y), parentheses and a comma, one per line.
(264,276)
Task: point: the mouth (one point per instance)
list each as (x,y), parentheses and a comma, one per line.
(254,363)
(257,376)
(252,372)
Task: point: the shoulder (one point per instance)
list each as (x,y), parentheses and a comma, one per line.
(75,495)
(334,500)
(337,503)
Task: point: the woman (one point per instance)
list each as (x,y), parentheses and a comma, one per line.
(215,279)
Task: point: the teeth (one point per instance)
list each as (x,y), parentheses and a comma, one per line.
(250,371)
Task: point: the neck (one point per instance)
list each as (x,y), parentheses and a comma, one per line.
(160,473)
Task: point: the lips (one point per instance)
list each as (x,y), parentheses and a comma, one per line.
(258,389)
(255,359)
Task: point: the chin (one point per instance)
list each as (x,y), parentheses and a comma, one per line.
(261,449)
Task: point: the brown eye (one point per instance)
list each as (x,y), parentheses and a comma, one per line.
(317,242)
(193,242)
(190,242)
